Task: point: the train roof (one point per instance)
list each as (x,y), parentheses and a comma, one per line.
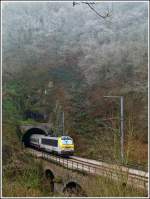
(49,136)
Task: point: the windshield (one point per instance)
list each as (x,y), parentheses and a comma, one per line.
(67,141)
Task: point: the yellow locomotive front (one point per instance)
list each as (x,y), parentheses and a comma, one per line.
(66,145)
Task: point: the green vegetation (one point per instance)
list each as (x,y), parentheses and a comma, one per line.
(84,115)
(22,176)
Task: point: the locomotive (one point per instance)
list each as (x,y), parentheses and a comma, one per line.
(62,145)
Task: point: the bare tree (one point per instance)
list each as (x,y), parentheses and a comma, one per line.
(91,6)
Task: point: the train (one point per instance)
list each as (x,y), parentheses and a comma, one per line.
(62,145)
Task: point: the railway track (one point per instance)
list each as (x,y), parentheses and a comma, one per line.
(126,176)
(109,166)
(131,175)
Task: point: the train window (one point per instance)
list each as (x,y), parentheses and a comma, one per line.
(55,143)
(66,138)
(35,140)
(50,142)
(66,141)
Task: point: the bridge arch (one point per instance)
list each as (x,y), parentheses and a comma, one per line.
(72,188)
(50,179)
(31,131)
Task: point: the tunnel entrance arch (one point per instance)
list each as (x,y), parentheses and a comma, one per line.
(73,189)
(28,133)
(50,179)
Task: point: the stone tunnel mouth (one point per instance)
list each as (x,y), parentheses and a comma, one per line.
(28,133)
(73,189)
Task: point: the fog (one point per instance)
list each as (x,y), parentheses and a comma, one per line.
(40,35)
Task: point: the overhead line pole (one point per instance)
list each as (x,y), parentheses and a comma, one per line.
(63,120)
(122,126)
(121,123)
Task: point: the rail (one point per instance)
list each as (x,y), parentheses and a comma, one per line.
(125,175)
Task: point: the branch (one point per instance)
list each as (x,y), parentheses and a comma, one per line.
(103,16)
(90,4)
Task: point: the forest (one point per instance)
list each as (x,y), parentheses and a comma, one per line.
(62,58)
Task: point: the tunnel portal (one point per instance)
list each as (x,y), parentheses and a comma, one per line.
(28,133)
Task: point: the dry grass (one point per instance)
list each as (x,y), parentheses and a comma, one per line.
(102,147)
(15,189)
(102,187)
(137,152)
(24,177)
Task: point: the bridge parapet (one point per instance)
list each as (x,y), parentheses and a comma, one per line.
(123,175)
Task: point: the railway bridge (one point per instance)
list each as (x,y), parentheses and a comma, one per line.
(59,177)
(74,176)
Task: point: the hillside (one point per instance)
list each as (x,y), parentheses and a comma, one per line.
(57,57)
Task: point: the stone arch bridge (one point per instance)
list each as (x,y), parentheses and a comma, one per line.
(64,181)
(75,177)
